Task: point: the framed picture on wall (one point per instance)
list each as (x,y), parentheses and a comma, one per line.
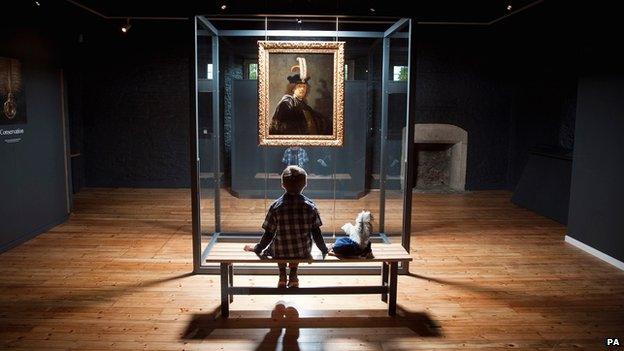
(12,100)
(300,93)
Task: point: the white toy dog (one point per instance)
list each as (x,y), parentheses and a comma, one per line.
(360,232)
(358,243)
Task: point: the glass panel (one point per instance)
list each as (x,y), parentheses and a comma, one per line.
(205,136)
(342,174)
(342,181)
(397,118)
(243,204)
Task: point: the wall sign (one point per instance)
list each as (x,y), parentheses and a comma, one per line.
(11,135)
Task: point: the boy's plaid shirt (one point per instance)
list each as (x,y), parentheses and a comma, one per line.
(292,218)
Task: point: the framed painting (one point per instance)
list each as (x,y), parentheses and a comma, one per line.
(300,93)
(12,99)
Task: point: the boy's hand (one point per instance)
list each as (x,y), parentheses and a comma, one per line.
(248,248)
(324,253)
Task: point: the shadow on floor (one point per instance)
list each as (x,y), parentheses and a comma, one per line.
(288,320)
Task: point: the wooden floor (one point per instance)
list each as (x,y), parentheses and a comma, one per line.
(486,275)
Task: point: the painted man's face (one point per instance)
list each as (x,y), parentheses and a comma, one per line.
(300,91)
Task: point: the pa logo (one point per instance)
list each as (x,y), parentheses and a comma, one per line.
(612,342)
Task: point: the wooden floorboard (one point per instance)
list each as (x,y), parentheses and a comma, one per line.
(486,275)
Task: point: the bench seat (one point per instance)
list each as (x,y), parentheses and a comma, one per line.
(233,253)
(389,255)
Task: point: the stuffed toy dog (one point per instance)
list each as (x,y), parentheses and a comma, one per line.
(358,241)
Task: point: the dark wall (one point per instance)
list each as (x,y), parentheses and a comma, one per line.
(540,62)
(595,216)
(596,206)
(459,81)
(33,187)
(511,94)
(134,102)
(132,93)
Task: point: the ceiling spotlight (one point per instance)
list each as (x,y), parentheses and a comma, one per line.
(372,10)
(37,3)
(509,7)
(223,7)
(299,20)
(126,28)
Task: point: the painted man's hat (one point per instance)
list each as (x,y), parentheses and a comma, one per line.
(302,76)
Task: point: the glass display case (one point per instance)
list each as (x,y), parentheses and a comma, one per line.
(236,178)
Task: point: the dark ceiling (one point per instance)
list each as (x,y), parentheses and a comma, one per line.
(430,10)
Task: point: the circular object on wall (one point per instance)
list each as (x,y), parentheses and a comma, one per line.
(10,107)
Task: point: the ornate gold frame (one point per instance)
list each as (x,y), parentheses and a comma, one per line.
(314,47)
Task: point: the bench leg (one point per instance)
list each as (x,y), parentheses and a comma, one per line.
(384,280)
(225,302)
(392,287)
(231,280)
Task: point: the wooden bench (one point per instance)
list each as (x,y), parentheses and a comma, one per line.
(227,254)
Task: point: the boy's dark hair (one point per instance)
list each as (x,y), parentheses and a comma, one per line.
(294,179)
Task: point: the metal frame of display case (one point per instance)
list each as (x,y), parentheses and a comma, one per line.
(213,86)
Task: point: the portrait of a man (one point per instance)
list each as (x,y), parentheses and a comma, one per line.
(293,115)
(301,93)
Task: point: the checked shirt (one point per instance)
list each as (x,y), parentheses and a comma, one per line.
(291,220)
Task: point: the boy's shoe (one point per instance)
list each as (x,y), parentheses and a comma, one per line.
(293,283)
(281,284)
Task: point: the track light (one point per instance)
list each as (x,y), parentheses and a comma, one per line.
(223,7)
(126,28)
(372,10)
(37,3)
(509,7)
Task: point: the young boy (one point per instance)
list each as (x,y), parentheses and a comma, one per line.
(290,224)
